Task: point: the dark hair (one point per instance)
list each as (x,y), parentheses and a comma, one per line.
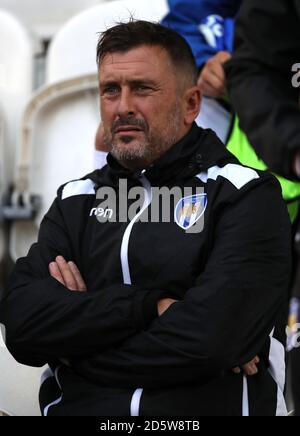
(126,36)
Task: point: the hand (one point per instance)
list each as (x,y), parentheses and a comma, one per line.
(67,274)
(164,305)
(212,80)
(249,368)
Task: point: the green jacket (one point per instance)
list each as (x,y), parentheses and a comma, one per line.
(239,145)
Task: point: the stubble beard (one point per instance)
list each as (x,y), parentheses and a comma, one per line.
(150,148)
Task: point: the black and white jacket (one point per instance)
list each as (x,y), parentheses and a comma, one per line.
(108,351)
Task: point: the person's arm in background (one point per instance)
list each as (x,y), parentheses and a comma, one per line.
(226,318)
(259,80)
(212,80)
(101,149)
(203,24)
(44,320)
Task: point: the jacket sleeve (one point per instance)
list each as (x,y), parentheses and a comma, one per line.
(187,17)
(44,320)
(259,80)
(227,317)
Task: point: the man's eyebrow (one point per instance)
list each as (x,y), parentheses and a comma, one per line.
(108,83)
(133,82)
(142,81)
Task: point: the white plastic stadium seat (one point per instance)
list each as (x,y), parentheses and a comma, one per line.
(2,132)
(16,56)
(57,145)
(60,122)
(15,89)
(19,385)
(75,44)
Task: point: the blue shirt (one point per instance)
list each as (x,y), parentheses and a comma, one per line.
(207,25)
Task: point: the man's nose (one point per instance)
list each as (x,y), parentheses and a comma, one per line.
(126,104)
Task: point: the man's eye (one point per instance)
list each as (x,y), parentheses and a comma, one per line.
(111,90)
(143,88)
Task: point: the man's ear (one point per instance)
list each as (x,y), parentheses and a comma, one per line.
(192,103)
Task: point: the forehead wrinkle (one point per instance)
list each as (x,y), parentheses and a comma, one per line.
(126,61)
(142,54)
(125,66)
(129,63)
(128,75)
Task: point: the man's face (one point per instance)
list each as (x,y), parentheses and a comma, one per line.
(141,105)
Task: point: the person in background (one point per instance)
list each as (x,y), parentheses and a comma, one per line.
(263,83)
(101,149)
(209,26)
(260,91)
(260,81)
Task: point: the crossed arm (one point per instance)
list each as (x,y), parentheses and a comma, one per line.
(68,274)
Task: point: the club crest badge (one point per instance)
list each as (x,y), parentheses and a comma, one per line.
(189,210)
(212,28)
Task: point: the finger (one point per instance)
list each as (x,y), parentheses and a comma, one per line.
(215,76)
(253,371)
(250,369)
(208,90)
(216,70)
(236,370)
(251,366)
(208,78)
(223,56)
(55,273)
(208,75)
(80,282)
(66,273)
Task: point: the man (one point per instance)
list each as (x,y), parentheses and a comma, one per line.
(164,307)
